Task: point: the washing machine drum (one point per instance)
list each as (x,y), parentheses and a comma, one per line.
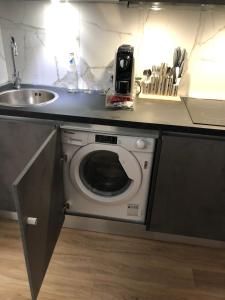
(105,173)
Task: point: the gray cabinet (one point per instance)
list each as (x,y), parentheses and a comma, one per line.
(18,142)
(178,1)
(31,176)
(189,196)
(39,198)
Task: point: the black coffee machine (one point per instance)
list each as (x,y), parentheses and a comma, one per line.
(124,70)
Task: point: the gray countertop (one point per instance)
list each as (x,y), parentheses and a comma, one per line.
(207,112)
(90,108)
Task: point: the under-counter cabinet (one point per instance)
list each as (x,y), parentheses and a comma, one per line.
(178,2)
(39,198)
(19,139)
(189,197)
(39,189)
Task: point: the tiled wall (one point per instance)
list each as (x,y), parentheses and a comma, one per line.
(46,33)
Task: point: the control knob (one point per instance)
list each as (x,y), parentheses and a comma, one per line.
(140,144)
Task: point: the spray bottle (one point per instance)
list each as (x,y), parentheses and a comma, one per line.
(72,75)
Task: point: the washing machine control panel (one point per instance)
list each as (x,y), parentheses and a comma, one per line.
(131,143)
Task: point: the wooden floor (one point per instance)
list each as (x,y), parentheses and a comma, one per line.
(94,266)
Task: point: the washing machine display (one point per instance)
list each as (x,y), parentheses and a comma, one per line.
(107,175)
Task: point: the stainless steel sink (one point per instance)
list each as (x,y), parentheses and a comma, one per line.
(27,97)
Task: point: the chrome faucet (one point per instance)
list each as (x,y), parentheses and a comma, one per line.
(16,74)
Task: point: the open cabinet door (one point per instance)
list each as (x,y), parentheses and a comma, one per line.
(39,198)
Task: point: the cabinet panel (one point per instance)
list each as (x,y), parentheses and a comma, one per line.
(190,188)
(19,141)
(38,194)
(178,2)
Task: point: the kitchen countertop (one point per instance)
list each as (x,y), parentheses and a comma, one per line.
(209,112)
(90,108)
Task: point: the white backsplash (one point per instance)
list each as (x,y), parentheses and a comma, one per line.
(3,69)
(46,34)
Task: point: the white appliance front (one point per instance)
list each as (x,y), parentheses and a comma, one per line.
(108,176)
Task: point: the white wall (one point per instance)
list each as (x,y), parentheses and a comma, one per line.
(46,33)
(3,69)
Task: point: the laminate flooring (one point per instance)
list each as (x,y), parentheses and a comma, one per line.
(96,266)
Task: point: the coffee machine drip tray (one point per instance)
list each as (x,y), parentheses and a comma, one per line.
(206,112)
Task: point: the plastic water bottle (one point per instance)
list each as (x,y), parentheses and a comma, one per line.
(72,75)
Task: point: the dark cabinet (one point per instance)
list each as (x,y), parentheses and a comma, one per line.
(189,196)
(177,2)
(39,198)
(19,140)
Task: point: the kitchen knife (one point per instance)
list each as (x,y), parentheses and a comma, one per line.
(181,70)
(182,57)
(176,56)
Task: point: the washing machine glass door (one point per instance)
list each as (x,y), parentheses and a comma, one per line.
(105,173)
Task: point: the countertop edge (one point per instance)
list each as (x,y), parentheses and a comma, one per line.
(211,130)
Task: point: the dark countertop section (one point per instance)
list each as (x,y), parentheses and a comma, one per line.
(207,112)
(90,108)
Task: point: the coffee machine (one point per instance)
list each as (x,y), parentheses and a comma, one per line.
(124,70)
(122,95)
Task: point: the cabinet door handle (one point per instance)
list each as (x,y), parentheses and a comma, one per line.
(32,221)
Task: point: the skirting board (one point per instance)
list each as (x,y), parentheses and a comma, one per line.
(10,215)
(134,230)
(125,229)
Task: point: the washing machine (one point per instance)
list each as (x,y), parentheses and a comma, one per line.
(107,171)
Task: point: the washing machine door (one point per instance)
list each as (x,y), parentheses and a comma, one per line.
(108,174)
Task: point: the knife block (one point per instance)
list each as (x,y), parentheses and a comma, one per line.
(159,97)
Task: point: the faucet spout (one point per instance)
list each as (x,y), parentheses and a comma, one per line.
(16,75)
